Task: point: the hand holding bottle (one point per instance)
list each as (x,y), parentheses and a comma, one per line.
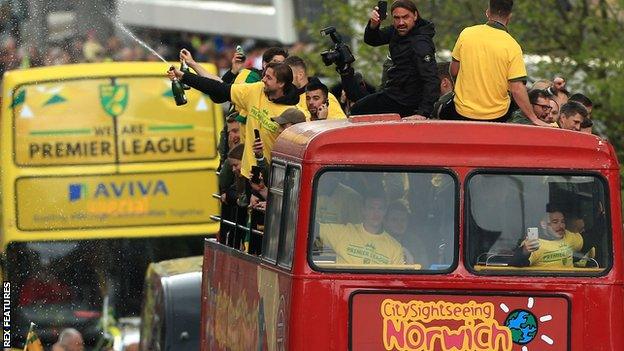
(176,87)
(186,56)
(174,73)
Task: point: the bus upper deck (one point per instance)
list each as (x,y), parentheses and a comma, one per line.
(400,235)
(101,174)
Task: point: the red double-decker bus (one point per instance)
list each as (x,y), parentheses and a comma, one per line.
(384,234)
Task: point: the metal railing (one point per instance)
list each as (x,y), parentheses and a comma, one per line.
(232,238)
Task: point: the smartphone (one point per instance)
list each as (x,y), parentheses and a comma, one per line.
(255,174)
(256,134)
(532,233)
(383,9)
(239,50)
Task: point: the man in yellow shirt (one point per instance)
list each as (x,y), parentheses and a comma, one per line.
(262,100)
(320,103)
(556,246)
(488,63)
(365,242)
(329,106)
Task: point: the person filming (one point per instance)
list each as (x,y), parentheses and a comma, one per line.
(413,85)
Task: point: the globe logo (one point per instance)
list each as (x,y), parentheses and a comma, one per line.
(523,326)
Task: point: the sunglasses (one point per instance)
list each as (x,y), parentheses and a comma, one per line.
(544,107)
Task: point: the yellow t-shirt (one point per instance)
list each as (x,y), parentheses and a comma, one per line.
(488,59)
(245,76)
(557,253)
(260,110)
(354,245)
(335,111)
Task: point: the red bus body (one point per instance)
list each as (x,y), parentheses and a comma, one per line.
(253,303)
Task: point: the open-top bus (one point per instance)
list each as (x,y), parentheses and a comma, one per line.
(100,175)
(458,200)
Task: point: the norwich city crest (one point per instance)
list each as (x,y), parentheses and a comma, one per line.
(114,98)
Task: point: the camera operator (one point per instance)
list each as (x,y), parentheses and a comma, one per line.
(413,85)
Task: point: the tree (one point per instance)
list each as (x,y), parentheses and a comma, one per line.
(577,39)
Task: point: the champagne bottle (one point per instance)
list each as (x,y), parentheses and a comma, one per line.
(178,92)
(185,68)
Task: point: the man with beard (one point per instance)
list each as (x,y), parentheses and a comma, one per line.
(236,75)
(412,85)
(556,245)
(331,106)
(540,101)
(317,101)
(262,100)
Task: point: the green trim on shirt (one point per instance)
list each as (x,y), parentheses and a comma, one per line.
(497,25)
(242,119)
(253,77)
(519,79)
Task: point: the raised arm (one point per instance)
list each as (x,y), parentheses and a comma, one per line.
(218,91)
(201,71)
(373,35)
(454,69)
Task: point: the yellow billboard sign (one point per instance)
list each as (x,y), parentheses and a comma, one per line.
(106,201)
(108,121)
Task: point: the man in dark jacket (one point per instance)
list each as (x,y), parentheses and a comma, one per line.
(413,85)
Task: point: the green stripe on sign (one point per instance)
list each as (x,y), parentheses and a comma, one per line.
(171,127)
(61,132)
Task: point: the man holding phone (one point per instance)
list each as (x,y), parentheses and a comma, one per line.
(317,101)
(555,246)
(412,85)
(332,109)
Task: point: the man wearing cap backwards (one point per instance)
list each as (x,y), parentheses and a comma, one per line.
(288,118)
(262,100)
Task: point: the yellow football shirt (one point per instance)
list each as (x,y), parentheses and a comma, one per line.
(354,245)
(488,58)
(557,253)
(335,110)
(260,110)
(245,76)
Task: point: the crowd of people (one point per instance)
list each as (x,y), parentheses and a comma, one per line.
(93,46)
(270,89)
(485,81)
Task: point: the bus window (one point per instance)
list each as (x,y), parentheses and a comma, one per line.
(533,223)
(384,220)
(290,208)
(273,220)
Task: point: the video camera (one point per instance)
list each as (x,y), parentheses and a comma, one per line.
(340,54)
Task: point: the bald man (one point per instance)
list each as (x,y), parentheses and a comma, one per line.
(71,340)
